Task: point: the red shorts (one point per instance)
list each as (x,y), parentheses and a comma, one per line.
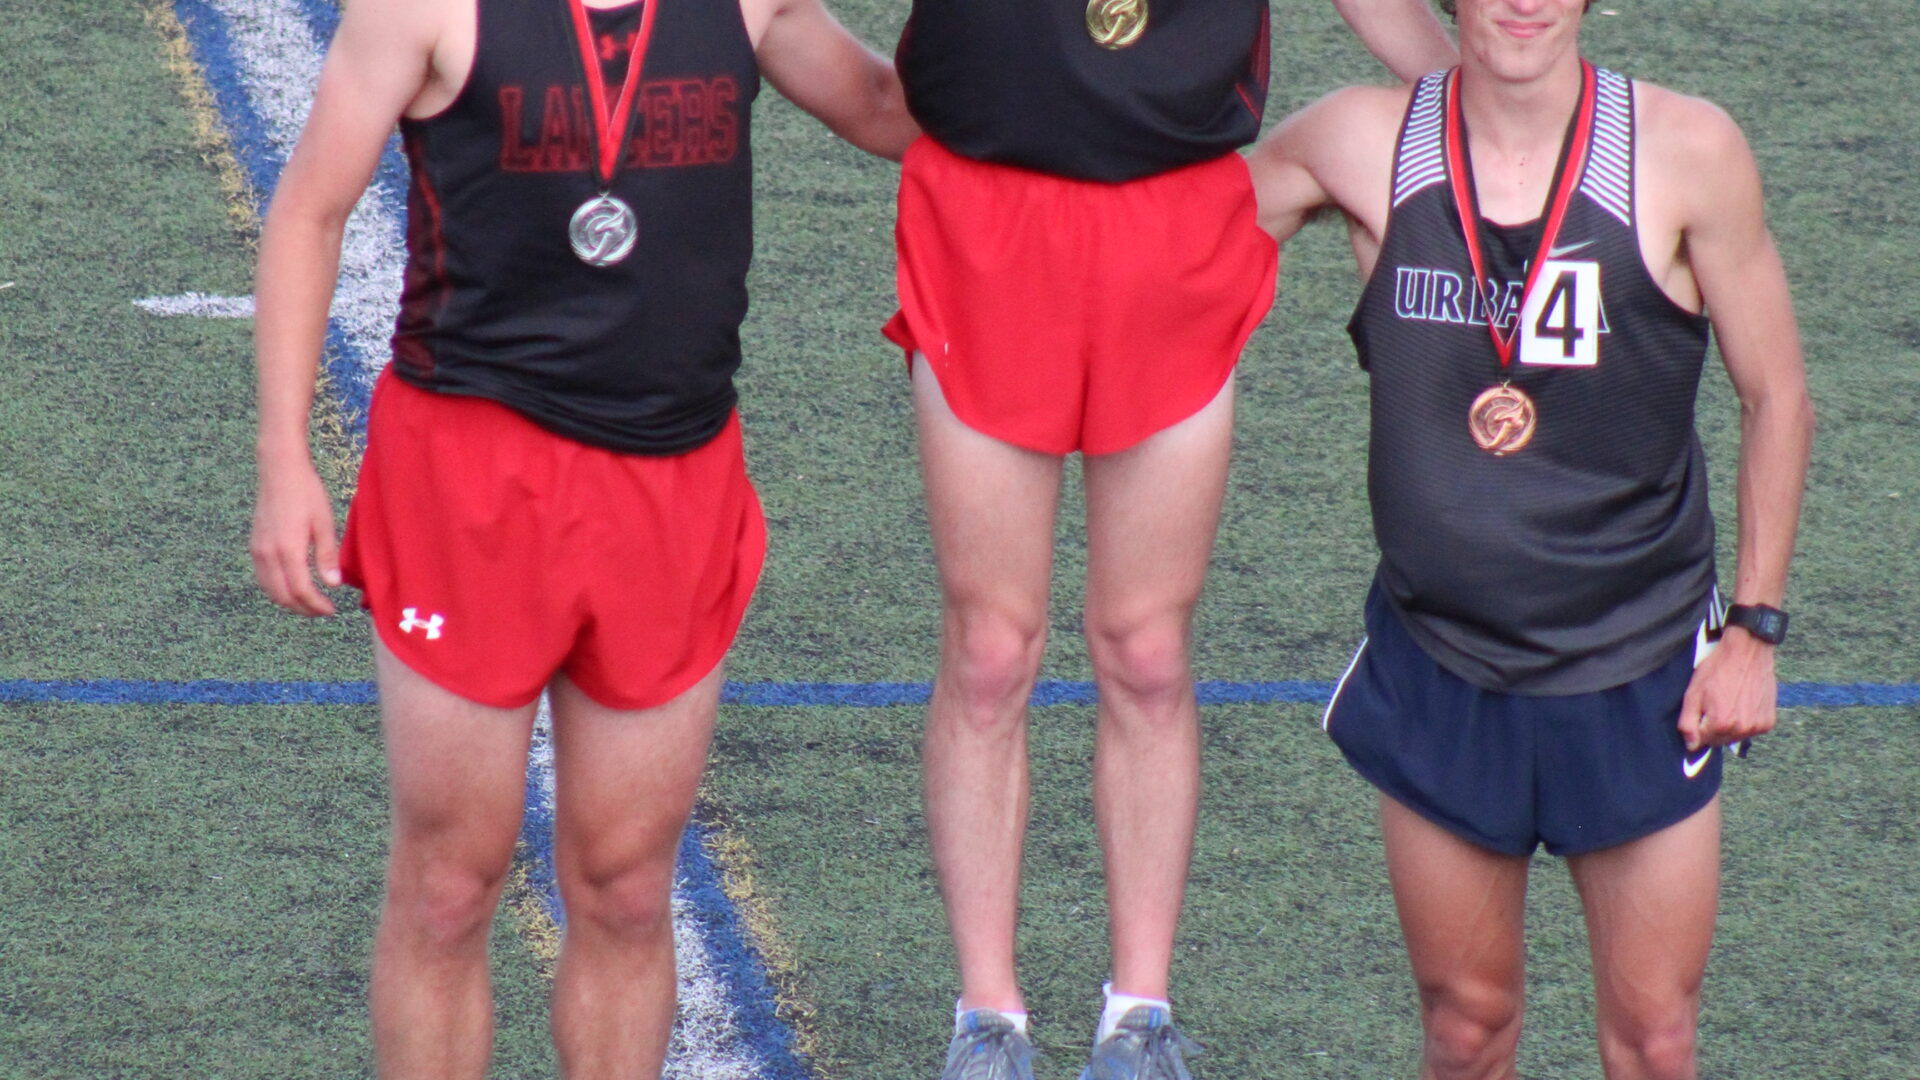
(1065,315)
(493,553)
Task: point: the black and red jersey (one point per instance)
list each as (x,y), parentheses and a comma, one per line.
(638,356)
(1584,559)
(1024,82)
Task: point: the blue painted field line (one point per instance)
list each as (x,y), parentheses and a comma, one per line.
(751,1000)
(803,694)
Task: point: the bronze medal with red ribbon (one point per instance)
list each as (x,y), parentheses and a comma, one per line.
(1503,418)
(603,230)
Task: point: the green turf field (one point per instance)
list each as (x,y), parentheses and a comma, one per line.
(188,891)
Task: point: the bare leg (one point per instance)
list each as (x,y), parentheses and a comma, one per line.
(991,506)
(1152,511)
(1463,910)
(458,774)
(624,785)
(1650,910)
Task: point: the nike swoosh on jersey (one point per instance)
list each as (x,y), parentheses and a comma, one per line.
(1692,766)
(1563,251)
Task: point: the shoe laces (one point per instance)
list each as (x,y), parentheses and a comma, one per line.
(1160,1048)
(988,1048)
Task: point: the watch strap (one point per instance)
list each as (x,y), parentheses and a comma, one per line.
(1769,624)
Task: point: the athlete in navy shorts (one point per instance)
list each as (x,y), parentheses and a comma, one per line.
(1543,243)
(554,495)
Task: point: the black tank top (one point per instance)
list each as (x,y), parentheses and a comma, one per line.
(1022,82)
(1584,559)
(638,356)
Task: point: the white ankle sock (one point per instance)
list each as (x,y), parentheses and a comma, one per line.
(1019,1018)
(1117,1007)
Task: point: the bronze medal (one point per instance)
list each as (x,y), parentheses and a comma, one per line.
(1116,24)
(1501,420)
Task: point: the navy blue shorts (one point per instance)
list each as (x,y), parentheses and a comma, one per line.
(1508,772)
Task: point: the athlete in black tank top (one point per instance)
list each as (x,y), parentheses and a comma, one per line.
(1540,500)
(599,295)
(1024,82)
(636,356)
(1586,558)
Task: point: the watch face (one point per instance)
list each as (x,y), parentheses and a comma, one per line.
(1767,624)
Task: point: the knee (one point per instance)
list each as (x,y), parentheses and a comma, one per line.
(1469,1030)
(991,660)
(444,904)
(632,903)
(1143,659)
(1659,1046)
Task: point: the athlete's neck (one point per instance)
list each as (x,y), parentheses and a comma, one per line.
(1515,128)
(1518,120)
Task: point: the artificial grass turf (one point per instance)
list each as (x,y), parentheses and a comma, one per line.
(123,511)
(1289,961)
(191,892)
(126,439)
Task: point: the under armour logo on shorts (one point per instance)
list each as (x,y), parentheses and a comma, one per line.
(431,624)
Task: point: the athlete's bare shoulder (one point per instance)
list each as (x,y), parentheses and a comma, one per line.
(414,24)
(759,14)
(1336,152)
(1694,159)
(1690,140)
(423,45)
(1375,108)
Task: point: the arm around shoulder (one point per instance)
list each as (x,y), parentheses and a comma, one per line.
(821,67)
(1328,155)
(1405,35)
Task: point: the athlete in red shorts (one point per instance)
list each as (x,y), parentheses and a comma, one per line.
(1080,266)
(553,496)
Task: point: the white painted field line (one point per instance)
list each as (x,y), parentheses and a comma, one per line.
(199,305)
(706,1039)
(279,61)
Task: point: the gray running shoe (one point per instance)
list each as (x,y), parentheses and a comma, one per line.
(1145,1047)
(988,1048)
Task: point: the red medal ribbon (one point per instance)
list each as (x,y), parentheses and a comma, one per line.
(1573,160)
(606,146)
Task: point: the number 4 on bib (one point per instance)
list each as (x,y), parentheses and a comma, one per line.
(1560,324)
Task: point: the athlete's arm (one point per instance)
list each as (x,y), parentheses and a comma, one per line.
(1335,153)
(378,62)
(1698,158)
(1405,35)
(809,57)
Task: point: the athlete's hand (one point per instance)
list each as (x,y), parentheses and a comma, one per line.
(1732,695)
(292,521)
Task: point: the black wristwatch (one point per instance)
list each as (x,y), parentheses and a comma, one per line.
(1769,624)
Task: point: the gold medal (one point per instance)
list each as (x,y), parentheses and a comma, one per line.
(1501,420)
(1116,24)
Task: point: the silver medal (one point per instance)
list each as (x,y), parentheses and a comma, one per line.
(603,231)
